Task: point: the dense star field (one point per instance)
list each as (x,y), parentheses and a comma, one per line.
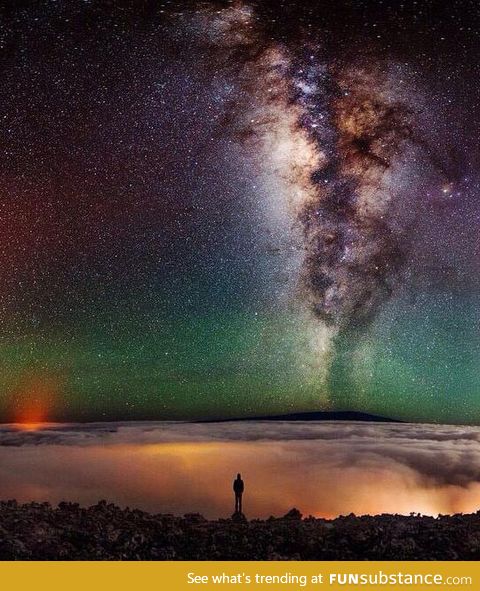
(239,208)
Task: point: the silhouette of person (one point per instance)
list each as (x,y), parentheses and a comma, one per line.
(238,488)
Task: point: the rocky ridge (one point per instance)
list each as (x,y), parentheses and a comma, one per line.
(38,531)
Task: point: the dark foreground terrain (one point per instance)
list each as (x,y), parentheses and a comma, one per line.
(37,531)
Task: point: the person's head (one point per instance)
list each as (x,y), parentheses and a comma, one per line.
(239,476)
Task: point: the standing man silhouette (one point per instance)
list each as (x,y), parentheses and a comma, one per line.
(238,488)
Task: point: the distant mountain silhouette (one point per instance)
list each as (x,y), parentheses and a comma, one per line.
(342,415)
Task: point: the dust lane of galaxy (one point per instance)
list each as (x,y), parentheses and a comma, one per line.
(229,209)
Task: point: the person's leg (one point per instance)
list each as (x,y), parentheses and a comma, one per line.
(240,503)
(236,503)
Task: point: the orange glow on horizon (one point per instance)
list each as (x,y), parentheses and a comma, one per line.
(33,426)
(36,398)
(32,412)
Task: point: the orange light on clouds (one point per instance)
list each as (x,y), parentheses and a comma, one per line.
(25,426)
(197,476)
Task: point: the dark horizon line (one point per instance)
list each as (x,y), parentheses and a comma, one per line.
(321,415)
(338,415)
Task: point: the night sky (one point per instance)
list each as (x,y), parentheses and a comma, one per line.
(238,208)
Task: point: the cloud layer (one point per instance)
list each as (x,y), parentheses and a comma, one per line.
(325,468)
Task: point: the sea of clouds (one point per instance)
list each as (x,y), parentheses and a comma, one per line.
(324,468)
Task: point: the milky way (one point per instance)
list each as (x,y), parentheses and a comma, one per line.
(351,140)
(343,136)
(239,208)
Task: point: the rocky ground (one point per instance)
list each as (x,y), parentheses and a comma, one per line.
(38,531)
